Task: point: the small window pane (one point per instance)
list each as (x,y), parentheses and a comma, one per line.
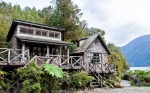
(51,34)
(38,32)
(23,30)
(30,31)
(95,57)
(44,33)
(57,35)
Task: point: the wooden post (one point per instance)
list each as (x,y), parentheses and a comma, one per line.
(60,54)
(23,50)
(47,50)
(68,54)
(8,56)
(28,56)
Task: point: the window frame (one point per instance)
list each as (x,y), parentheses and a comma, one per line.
(96,57)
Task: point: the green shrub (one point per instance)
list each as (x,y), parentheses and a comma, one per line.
(81,79)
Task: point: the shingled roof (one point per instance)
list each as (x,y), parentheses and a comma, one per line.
(88,42)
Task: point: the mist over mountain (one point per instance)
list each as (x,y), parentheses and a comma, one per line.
(137,52)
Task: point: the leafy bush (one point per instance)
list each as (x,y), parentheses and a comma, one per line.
(80,79)
(53,70)
(32,76)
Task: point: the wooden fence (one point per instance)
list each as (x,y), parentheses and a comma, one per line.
(65,62)
(102,67)
(13,56)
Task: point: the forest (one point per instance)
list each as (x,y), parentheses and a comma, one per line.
(62,14)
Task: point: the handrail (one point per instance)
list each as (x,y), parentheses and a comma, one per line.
(103,66)
(97,76)
(30,61)
(71,61)
(8,55)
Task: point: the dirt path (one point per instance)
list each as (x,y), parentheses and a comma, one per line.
(122,90)
(125,83)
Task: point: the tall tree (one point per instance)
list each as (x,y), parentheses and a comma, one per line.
(66,15)
(119,59)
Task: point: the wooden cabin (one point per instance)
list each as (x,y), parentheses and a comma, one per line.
(94,53)
(41,43)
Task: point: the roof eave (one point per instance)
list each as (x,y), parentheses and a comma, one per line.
(43,42)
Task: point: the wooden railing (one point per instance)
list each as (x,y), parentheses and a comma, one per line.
(65,62)
(102,67)
(13,56)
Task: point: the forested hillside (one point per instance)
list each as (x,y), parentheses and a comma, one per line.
(57,17)
(137,51)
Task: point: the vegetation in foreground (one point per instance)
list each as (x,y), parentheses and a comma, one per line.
(36,79)
(138,77)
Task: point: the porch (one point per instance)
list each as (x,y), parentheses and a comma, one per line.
(18,57)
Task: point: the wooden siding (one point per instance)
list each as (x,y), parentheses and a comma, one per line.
(13,40)
(95,47)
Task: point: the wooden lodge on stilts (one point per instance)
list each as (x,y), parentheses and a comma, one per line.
(41,43)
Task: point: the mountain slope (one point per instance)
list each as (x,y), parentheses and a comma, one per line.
(137,52)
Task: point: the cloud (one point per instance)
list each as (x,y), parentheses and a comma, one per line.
(122,20)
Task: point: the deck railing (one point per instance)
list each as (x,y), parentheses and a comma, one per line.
(11,56)
(65,62)
(102,67)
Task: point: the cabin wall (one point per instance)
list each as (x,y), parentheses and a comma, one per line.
(95,47)
(13,40)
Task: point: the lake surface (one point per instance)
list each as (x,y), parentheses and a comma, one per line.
(139,68)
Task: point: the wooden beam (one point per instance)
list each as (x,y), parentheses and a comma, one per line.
(60,54)
(23,49)
(47,51)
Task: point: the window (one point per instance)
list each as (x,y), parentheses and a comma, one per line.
(30,31)
(37,51)
(54,34)
(51,34)
(96,57)
(23,30)
(44,33)
(57,35)
(38,32)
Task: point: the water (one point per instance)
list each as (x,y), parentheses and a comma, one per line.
(139,68)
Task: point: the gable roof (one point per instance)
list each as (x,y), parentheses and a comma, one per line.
(25,23)
(88,42)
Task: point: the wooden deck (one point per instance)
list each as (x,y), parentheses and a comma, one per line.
(15,57)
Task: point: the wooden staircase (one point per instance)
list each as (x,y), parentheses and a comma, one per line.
(97,82)
(15,88)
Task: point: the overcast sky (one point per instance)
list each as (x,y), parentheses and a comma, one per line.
(122,20)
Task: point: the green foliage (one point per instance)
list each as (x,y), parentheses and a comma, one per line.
(144,76)
(2,84)
(32,77)
(80,79)
(30,86)
(117,57)
(32,70)
(53,70)
(92,31)
(66,15)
